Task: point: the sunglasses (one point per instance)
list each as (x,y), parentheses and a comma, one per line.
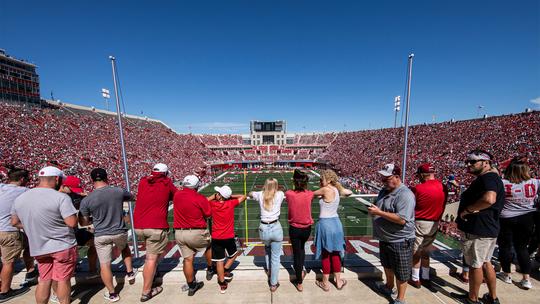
(472,161)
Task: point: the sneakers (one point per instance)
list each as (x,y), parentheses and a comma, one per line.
(525,284)
(112,297)
(415,284)
(92,276)
(487,299)
(228,276)
(54,299)
(396,301)
(223,287)
(385,291)
(13,293)
(30,278)
(130,277)
(504,277)
(192,291)
(210,272)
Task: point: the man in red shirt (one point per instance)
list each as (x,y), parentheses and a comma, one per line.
(150,222)
(223,244)
(191,210)
(431,198)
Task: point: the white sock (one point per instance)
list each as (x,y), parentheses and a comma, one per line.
(425,273)
(416,274)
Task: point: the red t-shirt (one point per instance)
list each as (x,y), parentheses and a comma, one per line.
(223,219)
(191,209)
(152,205)
(430,200)
(299,208)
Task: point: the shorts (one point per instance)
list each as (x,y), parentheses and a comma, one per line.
(83,236)
(104,245)
(192,241)
(477,250)
(398,257)
(425,231)
(11,245)
(57,266)
(155,239)
(222,249)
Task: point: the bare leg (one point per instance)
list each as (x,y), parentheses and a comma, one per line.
(220,271)
(401,288)
(64,291)
(126,255)
(188,269)
(389,273)
(491,279)
(106,276)
(149,271)
(475,280)
(43,292)
(7,276)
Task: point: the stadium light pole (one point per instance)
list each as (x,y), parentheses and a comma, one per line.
(407,107)
(397,107)
(124,158)
(106,95)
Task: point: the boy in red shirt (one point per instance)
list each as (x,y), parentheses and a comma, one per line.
(223,244)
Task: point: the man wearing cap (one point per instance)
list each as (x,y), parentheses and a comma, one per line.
(393,226)
(48,217)
(191,210)
(155,193)
(11,238)
(223,243)
(106,207)
(478,217)
(431,198)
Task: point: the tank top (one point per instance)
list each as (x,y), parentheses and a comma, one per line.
(329,209)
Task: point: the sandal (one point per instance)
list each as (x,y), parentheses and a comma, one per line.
(298,286)
(322,286)
(273,288)
(153,292)
(343,283)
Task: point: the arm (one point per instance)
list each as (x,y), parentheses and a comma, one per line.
(71,221)
(489,198)
(239,197)
(211,197)
(16,222)
(392,217)
(320,191)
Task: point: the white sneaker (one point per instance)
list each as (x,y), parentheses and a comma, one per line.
(504,277)
(54,299)
(525,284)
(112,297)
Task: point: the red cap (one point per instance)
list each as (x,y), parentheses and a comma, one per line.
(73,183)
(425,168)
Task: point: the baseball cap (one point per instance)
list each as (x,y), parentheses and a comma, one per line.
(389,170)
(425,168)
(50,171)
(191,181)
(225,191)
(73,183)
(98,174)
(161,168)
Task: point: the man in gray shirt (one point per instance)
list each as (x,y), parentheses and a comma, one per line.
(48,217)
(106,207)
(393,226)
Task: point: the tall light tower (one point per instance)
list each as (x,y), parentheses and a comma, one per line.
(397,107)
(106,96)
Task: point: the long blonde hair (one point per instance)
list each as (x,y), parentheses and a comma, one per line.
(269,191)
(331,177)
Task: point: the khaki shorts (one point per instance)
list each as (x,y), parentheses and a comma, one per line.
(425,231)
(104,245)
(192,241)
(155,239)
(477,250)
(11,245)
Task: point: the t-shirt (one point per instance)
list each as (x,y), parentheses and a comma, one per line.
(8,194)
(106,206)
(223,219)
(299,203)
(191,209)
(42,212)
(270,215)
(430,200)
(152,205)
(520,198)
(400,201)
(486,222)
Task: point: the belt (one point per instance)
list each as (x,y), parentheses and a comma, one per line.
(268,223)
(195,228)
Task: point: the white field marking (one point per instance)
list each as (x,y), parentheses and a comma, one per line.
(440,245)
(248,249)
(315,173)
(307,247)
(172,251)
(360,245)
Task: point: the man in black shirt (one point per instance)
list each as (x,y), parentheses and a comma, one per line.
(479,211)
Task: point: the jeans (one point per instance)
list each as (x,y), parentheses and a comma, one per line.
(299,237)
(272,237)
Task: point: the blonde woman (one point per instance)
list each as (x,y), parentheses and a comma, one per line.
(329,237)
(270,230)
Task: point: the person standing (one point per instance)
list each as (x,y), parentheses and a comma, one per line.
(191,210)
(154,195)
(431,196)
(105,205)
(48,218)
(393,226)
(517,219)
(478,217)
(300,221)
(223,203)
(270,230)
(11,238)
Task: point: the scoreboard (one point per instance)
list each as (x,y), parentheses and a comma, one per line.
(268,126)
(268,132)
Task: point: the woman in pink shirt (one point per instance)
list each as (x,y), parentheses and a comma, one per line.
(300,221)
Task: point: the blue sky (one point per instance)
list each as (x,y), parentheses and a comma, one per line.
(321,65)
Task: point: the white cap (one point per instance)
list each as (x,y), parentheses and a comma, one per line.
(389,170)
(50,171)
(191,181)
(161,168)
(225,191)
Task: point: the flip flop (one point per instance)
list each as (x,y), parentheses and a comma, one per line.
(322,286)
(153,292)
(343,283)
